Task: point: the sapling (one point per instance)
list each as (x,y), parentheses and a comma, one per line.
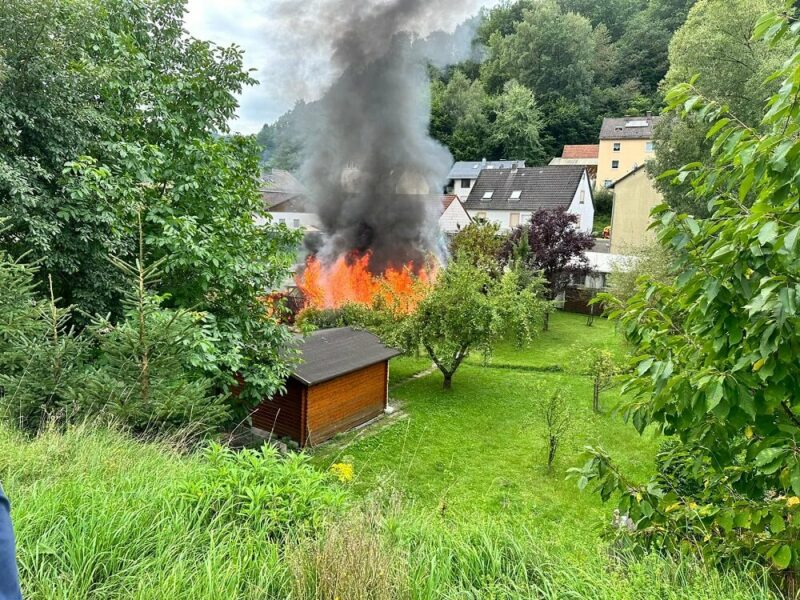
(557,420)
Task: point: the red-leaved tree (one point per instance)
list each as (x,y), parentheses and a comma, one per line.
(555,247)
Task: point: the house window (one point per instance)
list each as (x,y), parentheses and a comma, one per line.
(296,223)
(578,224)
(617,146)
(516,195)
(481,216)
(649,147)
(466,183)
(513,220)
(488,196)
(615,164)
(583,196)
(282,221)
(607,183)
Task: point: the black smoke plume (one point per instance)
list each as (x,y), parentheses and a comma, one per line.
(373,171)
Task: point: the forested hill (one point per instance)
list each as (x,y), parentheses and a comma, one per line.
(552,70)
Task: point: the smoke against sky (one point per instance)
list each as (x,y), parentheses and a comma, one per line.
(268,32)
(370,164)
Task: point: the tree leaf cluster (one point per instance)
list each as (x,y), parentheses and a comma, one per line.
(716,348)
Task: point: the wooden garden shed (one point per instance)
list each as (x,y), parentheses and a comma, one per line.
(340,383)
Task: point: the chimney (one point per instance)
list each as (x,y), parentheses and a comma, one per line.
(513,167)
(483,162)
(649,114)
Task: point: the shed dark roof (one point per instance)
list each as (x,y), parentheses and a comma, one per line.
(295,204)
(541,187)
(331,353)
(629,128)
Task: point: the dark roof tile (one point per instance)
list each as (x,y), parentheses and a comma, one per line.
(331,353)
(541,187)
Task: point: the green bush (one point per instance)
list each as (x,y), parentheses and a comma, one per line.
(273,495)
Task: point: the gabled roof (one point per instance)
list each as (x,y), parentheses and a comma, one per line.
(293,204)
(447,200)
(581,151)
(471,169)
(629,128)
(278,181)
(539,187)
(624,177)
(331,353)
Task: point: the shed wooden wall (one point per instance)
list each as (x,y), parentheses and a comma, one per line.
(283,415)
(346,402)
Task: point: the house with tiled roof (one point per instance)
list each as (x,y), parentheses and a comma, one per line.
(287,200)
(625,145)
(509,197)
(464,174)
(454,216)
(582,155)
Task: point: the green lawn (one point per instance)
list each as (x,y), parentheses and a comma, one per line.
(477,451)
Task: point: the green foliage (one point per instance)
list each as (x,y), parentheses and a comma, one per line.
(41,357)
(110,507)
(515,130)
(601,365)
(85,153)
(651,261)
(466,311)
(603,201)
(479,243)
(273,495)
(143,376)
(716,44)
(716,348)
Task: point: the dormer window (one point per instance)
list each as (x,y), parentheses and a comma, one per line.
(488,196)
(515,195)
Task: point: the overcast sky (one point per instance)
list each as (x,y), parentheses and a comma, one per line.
(285,71)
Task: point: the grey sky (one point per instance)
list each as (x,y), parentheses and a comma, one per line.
(287,66)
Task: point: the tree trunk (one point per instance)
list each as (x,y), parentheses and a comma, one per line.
(448,381)
(546,326)
(551,455)
(596,395)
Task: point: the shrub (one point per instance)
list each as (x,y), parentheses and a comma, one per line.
(273,495)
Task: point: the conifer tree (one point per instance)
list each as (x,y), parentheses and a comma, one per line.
(144,376)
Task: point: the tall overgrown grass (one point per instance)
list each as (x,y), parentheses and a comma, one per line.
(101,515)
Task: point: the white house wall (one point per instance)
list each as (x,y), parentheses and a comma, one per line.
(454,218)
(501,217)
(461,191)
(585,210)
(297,220)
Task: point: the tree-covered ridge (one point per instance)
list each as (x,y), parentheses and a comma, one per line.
(552,70)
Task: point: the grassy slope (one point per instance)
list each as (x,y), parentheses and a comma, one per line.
(97,518)
(478,450)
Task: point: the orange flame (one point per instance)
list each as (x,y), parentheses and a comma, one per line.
(349,281)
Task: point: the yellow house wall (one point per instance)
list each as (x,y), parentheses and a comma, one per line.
(634,198)
(632,154)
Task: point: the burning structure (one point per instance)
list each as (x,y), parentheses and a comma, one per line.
(370,163)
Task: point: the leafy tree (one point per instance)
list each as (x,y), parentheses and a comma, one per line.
(716,349)
(517,124)
(141,106)
(466,311)
(460,117)
(479,243)
(601,365)
(715,43)
(557,248)
(651,261)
